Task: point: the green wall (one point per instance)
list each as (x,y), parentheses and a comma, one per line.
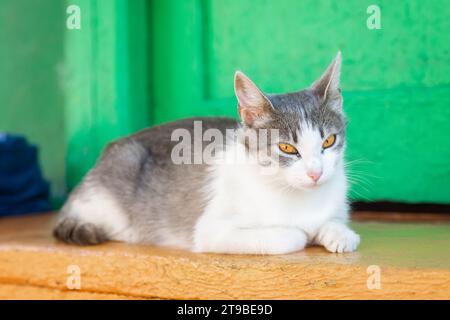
(106,79)
(31,67)
(396,81)
(138,62)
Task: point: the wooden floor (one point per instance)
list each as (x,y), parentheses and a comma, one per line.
(411,261)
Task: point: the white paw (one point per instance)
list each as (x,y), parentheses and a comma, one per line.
(339,238)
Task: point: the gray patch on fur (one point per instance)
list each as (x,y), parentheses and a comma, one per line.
(304,105)
(159,197)
(290,110)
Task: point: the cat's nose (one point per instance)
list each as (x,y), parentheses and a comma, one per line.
(314,175)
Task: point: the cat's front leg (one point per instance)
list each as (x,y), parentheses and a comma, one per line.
(232,239)
(335,236)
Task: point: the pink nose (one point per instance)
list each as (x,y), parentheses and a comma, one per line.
(314,175)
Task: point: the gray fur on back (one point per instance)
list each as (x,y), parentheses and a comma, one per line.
(159,197)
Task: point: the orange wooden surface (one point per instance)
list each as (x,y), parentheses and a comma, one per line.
(411,258)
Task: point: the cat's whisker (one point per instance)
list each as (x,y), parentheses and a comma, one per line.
(361,193)
(361,179)
(360,183)
(362,174)
(357,184)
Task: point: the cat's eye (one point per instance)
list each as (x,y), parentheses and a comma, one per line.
(287,148)
(329,142)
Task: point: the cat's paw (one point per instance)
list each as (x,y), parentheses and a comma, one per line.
(336,237)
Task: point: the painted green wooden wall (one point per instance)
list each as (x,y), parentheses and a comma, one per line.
(106,79)
(141,62)
(31,74)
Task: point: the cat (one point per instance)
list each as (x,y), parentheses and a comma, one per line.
(136,193)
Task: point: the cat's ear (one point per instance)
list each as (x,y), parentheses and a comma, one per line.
(327,87)
(253,106)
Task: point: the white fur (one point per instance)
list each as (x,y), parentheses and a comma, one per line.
(251,212)
(97,206)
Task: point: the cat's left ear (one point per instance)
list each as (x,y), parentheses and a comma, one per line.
(327,87)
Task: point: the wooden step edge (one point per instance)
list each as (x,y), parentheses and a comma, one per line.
(166,276)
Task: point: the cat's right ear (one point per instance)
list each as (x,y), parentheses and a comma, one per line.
(253,106)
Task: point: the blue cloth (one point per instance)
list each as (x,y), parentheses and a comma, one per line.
(22,188)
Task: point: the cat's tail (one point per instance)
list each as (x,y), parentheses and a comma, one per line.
(91,216)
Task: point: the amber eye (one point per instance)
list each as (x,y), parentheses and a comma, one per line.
(287,148)
(329,141)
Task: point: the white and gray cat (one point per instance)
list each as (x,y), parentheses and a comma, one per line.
(137,194)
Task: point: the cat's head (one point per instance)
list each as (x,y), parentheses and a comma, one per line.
(310,122)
